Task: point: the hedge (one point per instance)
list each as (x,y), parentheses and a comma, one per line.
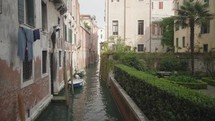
(209,80)
(161,100)
(188,82)
(197,85)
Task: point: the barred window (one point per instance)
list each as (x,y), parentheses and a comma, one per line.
(60,58)
(140,47)
(27,68)
(140,27)
(44,62)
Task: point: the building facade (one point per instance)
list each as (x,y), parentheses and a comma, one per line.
(101,39)
(40,42)
(132,21)
(204,35)
(90,24)
(27,42)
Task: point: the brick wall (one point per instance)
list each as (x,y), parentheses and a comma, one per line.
(10,88)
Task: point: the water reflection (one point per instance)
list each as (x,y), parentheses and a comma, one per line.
(92,102)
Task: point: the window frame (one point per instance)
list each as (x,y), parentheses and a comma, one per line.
(160,5)
(140,27)
(44,15)
(60,58)
(1,6)
(183,42)
(205,28)
(46,73)
(115,27)
(25,14)
(177,43)
(25,83)
(140,49)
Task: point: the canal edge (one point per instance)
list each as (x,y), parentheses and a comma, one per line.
(127,107)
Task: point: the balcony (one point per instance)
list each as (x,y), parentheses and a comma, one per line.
(60,6)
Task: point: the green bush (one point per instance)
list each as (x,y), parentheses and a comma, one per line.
(131,59)
(188,82)
(171,63)
(209,80)
(162,100)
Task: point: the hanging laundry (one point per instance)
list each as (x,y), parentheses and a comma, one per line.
(36,34)
(25,42)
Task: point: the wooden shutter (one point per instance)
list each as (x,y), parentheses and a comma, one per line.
(21,11)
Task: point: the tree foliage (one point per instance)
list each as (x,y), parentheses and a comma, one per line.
(167,25)
(189,15)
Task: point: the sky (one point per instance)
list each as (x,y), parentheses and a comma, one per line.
(94,7)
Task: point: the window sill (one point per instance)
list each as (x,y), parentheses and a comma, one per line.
(27,83)
(44,75)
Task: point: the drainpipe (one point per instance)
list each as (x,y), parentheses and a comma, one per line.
(150,26)
(124,19)
(107,19)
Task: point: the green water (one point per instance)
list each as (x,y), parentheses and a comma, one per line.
(92,102)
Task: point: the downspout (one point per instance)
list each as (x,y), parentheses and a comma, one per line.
(124,19)
(150,26)
(107,19)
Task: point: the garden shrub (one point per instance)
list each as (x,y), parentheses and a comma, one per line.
(161,100)
(171,63)
(131,59)
(188,82)
(209,80)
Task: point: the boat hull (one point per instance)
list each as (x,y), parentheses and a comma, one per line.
(77,83)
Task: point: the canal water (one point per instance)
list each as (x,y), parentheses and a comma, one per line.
(92,102)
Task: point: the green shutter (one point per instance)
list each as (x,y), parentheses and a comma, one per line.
(21,11)
(30,12)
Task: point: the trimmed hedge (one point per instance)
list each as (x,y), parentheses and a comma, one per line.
(162,100)
(188,82)
(209,80)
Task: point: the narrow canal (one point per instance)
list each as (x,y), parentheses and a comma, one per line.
(92,102)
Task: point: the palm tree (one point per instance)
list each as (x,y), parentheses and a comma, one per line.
(189,15)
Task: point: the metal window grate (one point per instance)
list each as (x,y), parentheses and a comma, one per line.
(44,62)
(27,68)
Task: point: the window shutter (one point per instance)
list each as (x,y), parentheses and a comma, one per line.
(30,12)
(21,11)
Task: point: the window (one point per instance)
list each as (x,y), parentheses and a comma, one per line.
(152,5)
(205,28)
(207,2)
(205,48)
(140,47)
(183,41)
(27,68)
(74,38)
(115,28)
(44,16)
(160,5)
(44,62)
(114,0)
(140,27)
(176,27)
(65,32)
(70,35)
(26,12)
(58,22)
(176,44)
(0,6)
(60,58)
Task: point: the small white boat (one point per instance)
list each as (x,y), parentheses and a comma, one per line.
(77,82)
